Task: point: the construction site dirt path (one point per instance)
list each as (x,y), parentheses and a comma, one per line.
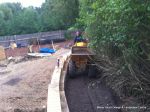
(85,94)
(24,85)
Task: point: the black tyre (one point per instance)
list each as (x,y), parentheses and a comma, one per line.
(93,71)
(71,69)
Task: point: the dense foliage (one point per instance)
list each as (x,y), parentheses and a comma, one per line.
(53,15)
(119,31)
(59,14)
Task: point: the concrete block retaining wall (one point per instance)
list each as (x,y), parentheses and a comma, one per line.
(56,95)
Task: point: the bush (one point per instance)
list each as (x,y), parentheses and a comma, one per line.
(119,31)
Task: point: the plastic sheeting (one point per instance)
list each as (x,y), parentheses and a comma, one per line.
(47,50)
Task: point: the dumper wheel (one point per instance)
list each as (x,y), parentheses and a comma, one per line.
(92,71)
(71,69)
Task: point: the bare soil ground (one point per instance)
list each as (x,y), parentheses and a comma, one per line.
(24,85)
(23,51)
(86,95)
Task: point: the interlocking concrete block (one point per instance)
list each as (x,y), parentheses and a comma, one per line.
(56,89)
(53,102)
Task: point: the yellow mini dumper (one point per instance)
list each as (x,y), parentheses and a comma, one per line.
(81,60)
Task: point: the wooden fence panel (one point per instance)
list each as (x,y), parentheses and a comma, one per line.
(25,39)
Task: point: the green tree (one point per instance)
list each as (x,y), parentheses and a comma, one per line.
(53,15)
(120,29)
(59,14)
(28,20)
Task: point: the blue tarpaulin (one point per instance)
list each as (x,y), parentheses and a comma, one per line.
(47,50)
